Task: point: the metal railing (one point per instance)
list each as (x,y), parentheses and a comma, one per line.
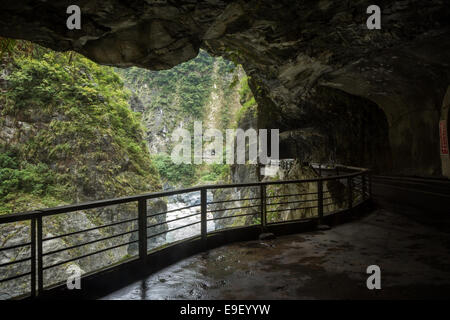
(246,204)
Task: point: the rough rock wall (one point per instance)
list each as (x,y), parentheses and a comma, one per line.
(348,129)
(290,48)
(402,68)
(95,167)
(240,173)
(161,97)
(304,202)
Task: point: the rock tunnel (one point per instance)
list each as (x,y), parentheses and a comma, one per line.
(314,66)
(337,91)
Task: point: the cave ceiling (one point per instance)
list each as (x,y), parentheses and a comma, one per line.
(289,48)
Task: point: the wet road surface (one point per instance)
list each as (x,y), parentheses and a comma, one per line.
(413,257)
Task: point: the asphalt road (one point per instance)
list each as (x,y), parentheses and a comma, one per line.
(413,259)
(425,200)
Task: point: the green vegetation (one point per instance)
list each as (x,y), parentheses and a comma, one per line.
(29,178)
(202,89)
(74,137)
(67,133)
(181,93)
(21,183)
(190,80)
(172,173)
(212,173)
(248,101)
(186,175)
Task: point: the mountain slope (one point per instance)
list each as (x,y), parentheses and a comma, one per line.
(67,133)
(203,89)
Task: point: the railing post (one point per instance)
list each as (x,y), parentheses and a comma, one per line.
(320,169)
(142,222)
(369,175)
(364,187)
(203,208)
(40,271)
(350,192)
(263,207)
(320,200)
(33,257)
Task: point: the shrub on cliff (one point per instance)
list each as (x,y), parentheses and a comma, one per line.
(68,133)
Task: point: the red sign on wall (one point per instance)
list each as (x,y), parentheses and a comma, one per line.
(443,136)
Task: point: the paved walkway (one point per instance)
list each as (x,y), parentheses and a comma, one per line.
(413,257)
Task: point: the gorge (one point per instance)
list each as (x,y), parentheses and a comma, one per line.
(88,114)
(325,54)
(62,144)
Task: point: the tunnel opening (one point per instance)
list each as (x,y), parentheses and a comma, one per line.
(341,128)
(359,131)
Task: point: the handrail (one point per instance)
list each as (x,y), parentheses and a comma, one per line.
(13,217)
(142,229)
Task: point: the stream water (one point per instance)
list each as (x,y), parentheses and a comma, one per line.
(192,219)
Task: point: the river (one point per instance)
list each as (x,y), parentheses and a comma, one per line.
(192,215)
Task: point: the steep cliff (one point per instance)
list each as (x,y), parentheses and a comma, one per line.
(204,89)
(199,89)
(294,51)
(67,135)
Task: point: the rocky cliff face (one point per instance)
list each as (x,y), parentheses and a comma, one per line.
(67,133)
(204,89)
(326,56)
(296,53)
(63,143)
